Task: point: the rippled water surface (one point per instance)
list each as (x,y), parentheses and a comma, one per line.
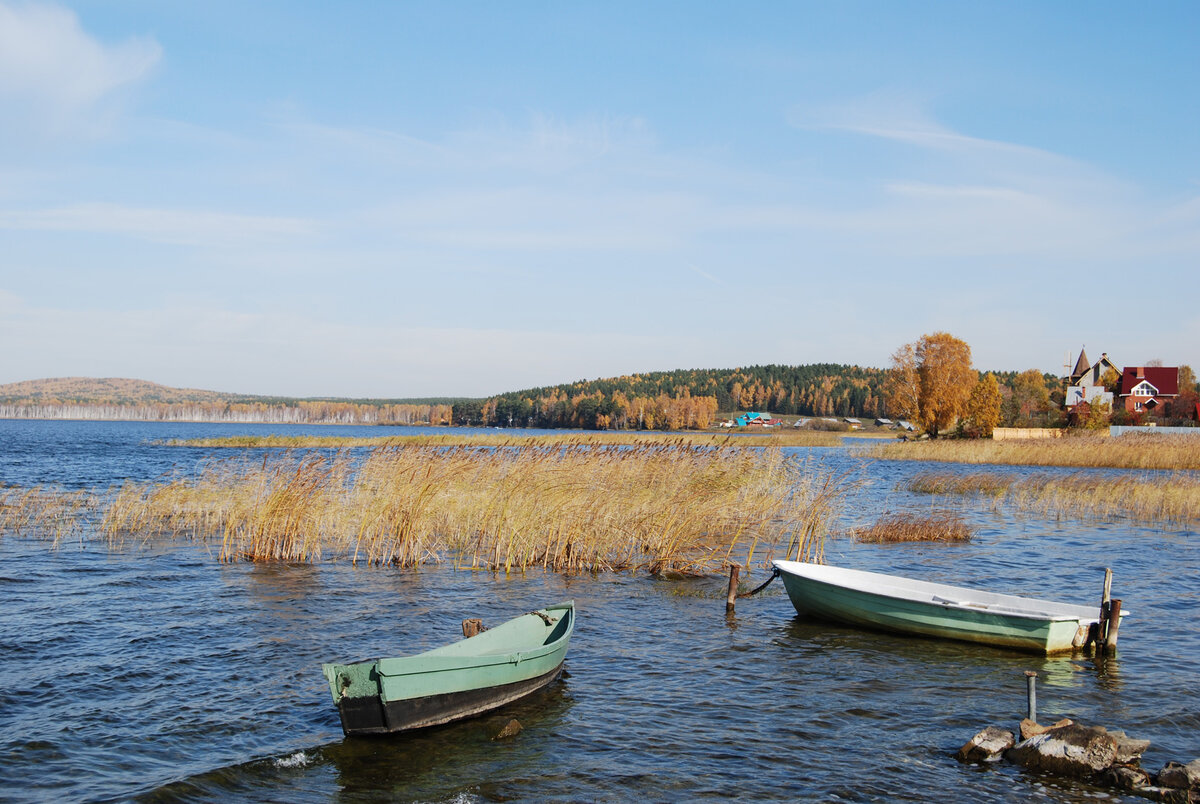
(163,675)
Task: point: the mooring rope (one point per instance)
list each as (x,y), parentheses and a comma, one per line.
(767,583)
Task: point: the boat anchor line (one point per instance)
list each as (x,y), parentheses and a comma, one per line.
(764,585)
(546,618)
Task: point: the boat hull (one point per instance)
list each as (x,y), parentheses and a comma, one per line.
(917,608)
(372,715)
(466,678)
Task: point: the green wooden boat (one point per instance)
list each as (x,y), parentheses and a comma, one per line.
(466,678)
(903,605)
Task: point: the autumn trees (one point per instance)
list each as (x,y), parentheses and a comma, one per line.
(930,381)
(685,398)
(982,412)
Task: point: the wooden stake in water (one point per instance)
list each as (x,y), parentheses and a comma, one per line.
(1114,625)
(1105,605)
(733,586)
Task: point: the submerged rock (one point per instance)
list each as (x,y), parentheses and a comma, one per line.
(511,729)
(987,745)
(1068,750)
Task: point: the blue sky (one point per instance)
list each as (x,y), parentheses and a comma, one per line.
(380,199)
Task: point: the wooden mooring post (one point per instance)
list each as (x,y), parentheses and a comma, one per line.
(1114,625)
(734,570)
(1103,635)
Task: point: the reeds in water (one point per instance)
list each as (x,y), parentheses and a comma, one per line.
(571,438)
(43,513)
(983,483)
(671,507)
(1150,451)
(907,527)
(1148,497)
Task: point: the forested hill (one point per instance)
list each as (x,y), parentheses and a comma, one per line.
(685,398)
(659,400)
(119,398)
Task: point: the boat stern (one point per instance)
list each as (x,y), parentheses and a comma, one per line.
(356,692)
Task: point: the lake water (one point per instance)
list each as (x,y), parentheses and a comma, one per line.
(163,675)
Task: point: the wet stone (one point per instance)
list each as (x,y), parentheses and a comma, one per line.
(1070,750)
(1180,777)
(1031,729)
(986,746)
(1126,777)
(1128,749)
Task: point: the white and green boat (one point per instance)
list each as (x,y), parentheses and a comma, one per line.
(903,605)
(466,678)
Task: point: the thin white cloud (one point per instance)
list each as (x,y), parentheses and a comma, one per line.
(56,73)
(705,274)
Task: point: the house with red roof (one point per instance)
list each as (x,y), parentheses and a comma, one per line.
(1144,388)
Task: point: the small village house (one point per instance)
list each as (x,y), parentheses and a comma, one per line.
(1144,388)
(1084,383)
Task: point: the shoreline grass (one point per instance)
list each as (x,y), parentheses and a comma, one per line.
(1173,498)
(567,439)
(1162,452)
(658,508)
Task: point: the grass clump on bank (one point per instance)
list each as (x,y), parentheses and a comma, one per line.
(658,508)
(906,527)
(1149,498)
(566,439)
(1167,452)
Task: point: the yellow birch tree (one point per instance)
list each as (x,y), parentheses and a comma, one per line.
(945,377)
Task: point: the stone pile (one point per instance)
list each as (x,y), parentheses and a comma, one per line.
(1092,753)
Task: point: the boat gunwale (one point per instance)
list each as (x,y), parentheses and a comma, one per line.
(433,661)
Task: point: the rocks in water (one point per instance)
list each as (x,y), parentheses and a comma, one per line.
(1067,750)
(1031,729)
(1129,749)
(1180,777)
(511,729)
(1126,777)
(1093,753)
(986,746)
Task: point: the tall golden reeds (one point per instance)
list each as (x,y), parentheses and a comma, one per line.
(1148,497)
(661,507)
(1172,452)
(766,438)
(45,513)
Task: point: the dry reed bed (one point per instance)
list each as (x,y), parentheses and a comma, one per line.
(1162,498)
(906,527)
(46,513)
(669,508)
(567,439)
(1166,452)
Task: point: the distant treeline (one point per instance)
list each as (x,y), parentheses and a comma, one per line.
(664,400)
(684,399)
(290,412)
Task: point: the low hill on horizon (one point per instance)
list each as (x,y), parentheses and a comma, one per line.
(126,391)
